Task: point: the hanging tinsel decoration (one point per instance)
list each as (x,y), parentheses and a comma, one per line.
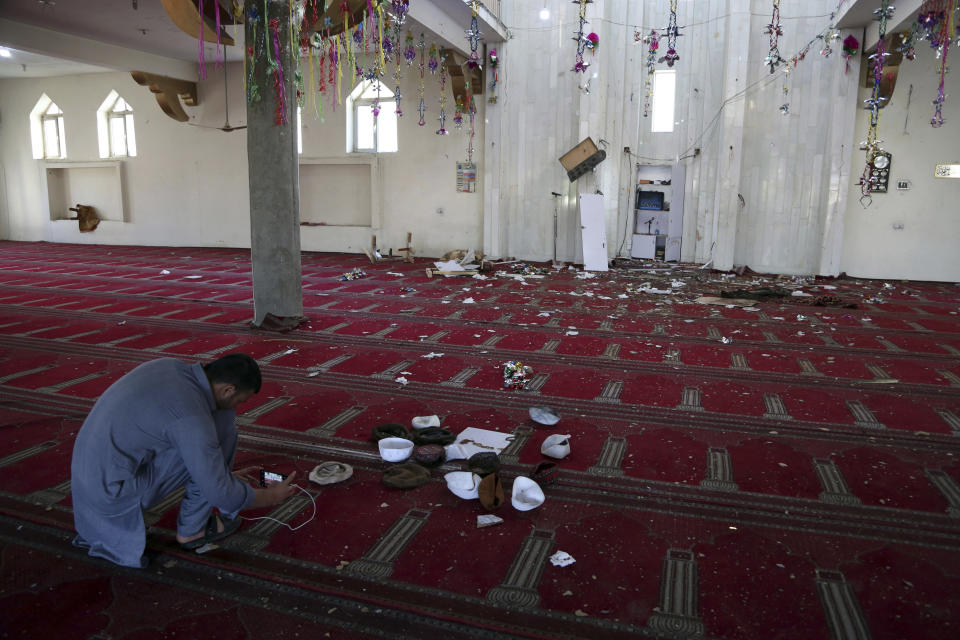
(828,37)
(850,47)
(216,6)
(470,105)
(253,90)
(875,102)
(934,24)
(581,38)
(494,65)
(473,35)
(201,63)
(673,32)
(423,105)
(774,30)
(276,68)
(410,50)
(335,66)
(458,113)
(442,131)
(907,48)
(653,44)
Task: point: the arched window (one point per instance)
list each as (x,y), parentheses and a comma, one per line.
(374,119)
(46,129)
(115,128)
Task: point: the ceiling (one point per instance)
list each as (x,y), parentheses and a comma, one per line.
(29,29)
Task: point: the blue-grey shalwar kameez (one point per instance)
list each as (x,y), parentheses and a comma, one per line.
(153,431)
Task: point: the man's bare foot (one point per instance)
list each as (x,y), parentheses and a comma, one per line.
(182,540)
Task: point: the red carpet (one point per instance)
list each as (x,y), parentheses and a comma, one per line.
(782,471)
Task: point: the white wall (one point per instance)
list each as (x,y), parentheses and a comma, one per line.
(188,185)
(927,246)
(773,192)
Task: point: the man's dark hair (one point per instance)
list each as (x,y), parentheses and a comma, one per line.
(237,369)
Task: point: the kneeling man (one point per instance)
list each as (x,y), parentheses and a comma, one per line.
(165,425)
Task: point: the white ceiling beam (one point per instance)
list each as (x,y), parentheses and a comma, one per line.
(860,14)
(449,19)
(25,37)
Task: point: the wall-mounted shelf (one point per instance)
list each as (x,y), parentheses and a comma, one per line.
(658,212)
(98,184)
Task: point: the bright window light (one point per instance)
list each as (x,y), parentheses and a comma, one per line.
(664,100)
(372,133)
(4,53)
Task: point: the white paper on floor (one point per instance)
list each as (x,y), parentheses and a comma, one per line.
(561,559)
(473,440)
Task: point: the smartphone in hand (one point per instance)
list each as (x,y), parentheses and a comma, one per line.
(269,477)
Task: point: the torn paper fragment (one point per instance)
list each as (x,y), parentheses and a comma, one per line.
(192,277)
(801,294)
(401,380)
(561,559)
(164,273)
(488,520)
(449,265)
(432,355)
(572,333)
(468,301)
(394,273)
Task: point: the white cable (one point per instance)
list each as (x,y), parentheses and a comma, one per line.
(312,516)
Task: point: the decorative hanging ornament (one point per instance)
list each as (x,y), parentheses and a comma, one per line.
(673,32)
(434,63)
(774,30)
(423,105)
(472,112)
(580,37)
(280,113)
(873,104)
(494,63)
(653,44)
(442,131)
(410,51)
(593,42)
(458,113)
(473,35)
(828,37)
(938,15)
(850,48)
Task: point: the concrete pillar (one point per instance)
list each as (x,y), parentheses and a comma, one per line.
(273,165)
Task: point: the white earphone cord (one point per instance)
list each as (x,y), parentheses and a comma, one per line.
(312,516)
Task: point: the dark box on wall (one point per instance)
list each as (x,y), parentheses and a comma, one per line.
(649,200)
(582,158)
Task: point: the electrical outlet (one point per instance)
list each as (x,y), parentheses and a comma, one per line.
(898,226)
(903,185)
(439,211)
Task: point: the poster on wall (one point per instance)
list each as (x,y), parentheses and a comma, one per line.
(466,177)
(947,171)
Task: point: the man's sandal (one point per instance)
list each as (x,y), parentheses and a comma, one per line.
(211,534)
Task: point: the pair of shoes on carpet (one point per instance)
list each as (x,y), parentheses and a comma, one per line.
(211,534)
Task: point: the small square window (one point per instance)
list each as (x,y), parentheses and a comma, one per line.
(664,100)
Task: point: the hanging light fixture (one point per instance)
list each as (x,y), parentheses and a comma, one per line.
(544,13)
